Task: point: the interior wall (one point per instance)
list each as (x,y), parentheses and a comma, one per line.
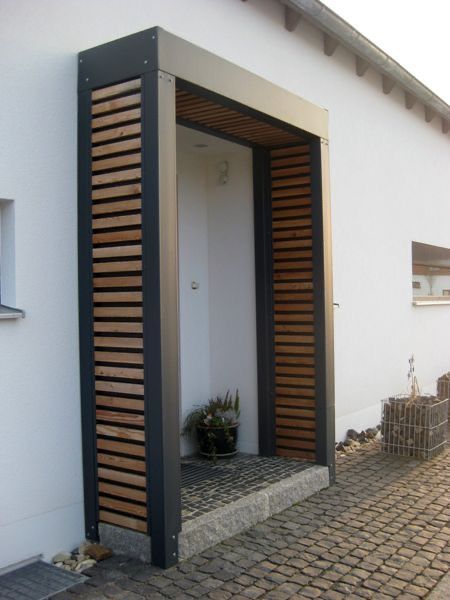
(216,251)
(232,288)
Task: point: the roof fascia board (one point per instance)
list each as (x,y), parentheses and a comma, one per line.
(332,25)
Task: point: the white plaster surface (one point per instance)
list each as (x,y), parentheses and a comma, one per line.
(390,185)
(216,250)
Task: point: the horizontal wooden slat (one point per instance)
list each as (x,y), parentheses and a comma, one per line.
(117,327)
(118,297)
(116,133)
(121,372)
(121,447)
(106,208)
(120,418)
(127,522)
(308,455)
(294,381)
(119,387)
(118,251)
(285,370)
(119,266)
(295,443)
(122,477)
(295,402)
(124,116)
(290,151)
(290,160)
(119,357)
(116,147)
(290,171)
(294,360)
(294,339)
(121,462)
(116,104)
(109,237)
(290,182)
(300,423)
(116,162)
(295,392)
(116,176)
(118,342)
(118,311)
(121,433)
(122,491)
(283,411)
(114,222)
(287,432)
(130,508)
(130,281)
(116,90)
(294,349)
(112,402)
(118,191)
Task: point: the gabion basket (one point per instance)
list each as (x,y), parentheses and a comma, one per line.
(443,388)
(415,427)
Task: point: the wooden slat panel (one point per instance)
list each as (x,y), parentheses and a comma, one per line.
(122,521)
(117,267)
(122,491)
(293,303)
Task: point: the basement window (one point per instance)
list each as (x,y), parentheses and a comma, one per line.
(7,262)
(430,274)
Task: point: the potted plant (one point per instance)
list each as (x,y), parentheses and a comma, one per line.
(216,425)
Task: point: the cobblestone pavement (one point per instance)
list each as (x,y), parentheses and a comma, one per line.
(381,532)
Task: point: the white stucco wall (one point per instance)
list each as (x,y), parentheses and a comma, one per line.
(390,185)
(216,250)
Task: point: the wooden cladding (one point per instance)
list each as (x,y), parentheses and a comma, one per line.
(293,302)
(192,109)
(117,301)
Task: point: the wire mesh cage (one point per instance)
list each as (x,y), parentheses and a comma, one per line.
(443,388)
(414,426)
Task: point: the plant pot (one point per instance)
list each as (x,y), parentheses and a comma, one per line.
(217,442)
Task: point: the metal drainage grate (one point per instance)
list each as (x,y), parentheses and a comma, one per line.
(192,473)
(36,581)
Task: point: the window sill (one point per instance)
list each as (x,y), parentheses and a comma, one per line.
(7,312)
(430,302)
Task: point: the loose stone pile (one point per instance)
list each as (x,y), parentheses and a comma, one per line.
(355,440)
(85,556)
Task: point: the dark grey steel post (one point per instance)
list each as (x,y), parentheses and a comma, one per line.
(160,315)
(86,319)
(264,300)
(323,305)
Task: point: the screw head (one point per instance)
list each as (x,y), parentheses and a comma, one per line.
(145,61)
(87,78)
(81,60)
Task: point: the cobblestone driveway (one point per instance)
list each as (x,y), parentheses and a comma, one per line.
(381,532)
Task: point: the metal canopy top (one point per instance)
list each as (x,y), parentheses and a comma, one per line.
(156,49)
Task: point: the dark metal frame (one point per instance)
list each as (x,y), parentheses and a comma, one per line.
(86,318)
(159,58)
(262,192)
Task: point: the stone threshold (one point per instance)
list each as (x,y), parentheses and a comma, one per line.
(222,523)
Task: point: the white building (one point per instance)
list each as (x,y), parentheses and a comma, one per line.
(389,184)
